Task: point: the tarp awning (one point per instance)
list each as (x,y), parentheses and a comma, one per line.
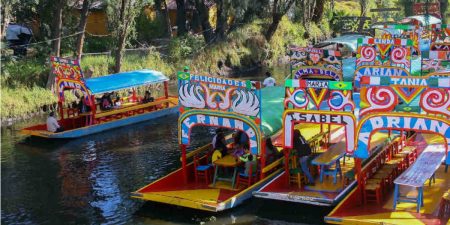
(424,20)
(350,40)
(272,109)
(124,80)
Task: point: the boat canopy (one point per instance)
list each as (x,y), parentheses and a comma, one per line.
(424,20)
(124,80)
(272,113)
(349,40)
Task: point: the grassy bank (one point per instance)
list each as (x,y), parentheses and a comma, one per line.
(23,82)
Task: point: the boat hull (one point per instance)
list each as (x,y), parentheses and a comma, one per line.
(83,131)
(180,199)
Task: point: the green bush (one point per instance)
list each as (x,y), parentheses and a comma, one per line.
(27,73)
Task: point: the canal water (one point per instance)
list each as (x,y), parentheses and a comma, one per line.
(89,180)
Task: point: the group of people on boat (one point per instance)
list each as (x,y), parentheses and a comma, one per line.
(240,150)
(106,102)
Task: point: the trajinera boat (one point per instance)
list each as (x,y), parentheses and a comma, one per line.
(406,181)
(88,117)
(205,180)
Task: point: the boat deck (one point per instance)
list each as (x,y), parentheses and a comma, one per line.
(406,212)
(198,194)
(324,193)
(352,211)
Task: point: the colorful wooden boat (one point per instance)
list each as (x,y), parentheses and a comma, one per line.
(69,76)
(406,181)
(227,103)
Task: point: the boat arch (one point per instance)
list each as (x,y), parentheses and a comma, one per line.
(296,116)
(197,117)
(398,121)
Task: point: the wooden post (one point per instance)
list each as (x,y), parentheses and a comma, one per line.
(61,110)
(263,157)
(183,162)
(166,89)
(286,164)
(93,109)
(359,177)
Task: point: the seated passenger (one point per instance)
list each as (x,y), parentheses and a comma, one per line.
(148,97)
(238,151)
(82,106)
(105,104)
(303,152)
(52,124)
(250,162)
(117,102)
(220,144)
(271,151)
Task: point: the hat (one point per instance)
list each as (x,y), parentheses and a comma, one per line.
(186,68)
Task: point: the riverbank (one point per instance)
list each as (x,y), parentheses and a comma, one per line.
(23,92)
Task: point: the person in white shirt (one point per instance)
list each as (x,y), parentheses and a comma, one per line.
(52,124)
(269,81)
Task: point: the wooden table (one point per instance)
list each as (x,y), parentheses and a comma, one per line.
(226,161)
(330,157)
(416,175)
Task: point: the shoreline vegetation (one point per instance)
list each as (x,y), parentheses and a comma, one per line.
(23,92)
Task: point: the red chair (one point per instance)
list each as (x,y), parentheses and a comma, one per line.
(201,171)
(246,179)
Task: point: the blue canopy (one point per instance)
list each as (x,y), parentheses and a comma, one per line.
(124,80)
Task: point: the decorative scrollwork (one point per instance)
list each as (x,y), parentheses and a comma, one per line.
(379,99)
(436,101)
(367,54)
(190,96)
(399,56)
(298,98)
(339,100)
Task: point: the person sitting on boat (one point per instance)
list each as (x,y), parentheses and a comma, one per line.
(105,104)
(219,143)
(271,151)
(52,124)
(240,138)
(269,81)
(148,97)
(303,152)
(82,106)
(238,151)
(117,102)
(250,162)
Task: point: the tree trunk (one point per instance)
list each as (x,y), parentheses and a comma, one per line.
(181,18)
(82,27)
(58,27)
(363,7)
(221,22)
(166,15)
(119,53)
(203,15)
(273,26)
(121,38)
(6,14)
(318,11)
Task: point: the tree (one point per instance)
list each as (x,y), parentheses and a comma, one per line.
(203,15)
(6,13)
(221,22)
(57,26)
(82,27)
(363,6)
(122,16)
(318,11)
(181,17)
(279,9)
